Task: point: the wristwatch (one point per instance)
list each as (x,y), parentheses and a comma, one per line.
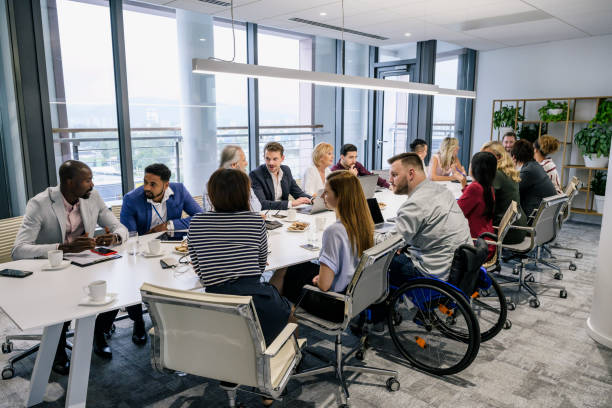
(170,225)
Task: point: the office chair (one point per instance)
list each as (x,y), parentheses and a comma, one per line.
(369,285)
(571,191)
(218,337)
(542,231)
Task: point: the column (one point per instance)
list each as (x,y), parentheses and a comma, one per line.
(198,112)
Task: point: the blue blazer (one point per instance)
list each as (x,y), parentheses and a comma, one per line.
(263,187)
(136,211)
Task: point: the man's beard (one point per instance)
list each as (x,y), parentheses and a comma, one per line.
(403,189)
(86,195)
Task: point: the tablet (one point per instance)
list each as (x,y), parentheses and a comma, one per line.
(173,236)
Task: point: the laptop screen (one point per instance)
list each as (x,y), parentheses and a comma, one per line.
(375,212)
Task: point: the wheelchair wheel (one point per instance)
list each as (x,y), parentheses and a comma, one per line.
(438,331)
(491,309)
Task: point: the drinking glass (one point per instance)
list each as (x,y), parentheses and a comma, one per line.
(133,243)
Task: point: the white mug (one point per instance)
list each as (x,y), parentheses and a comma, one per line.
(55,257)
(96,290)
(320,223)
(291,214)
(154,246)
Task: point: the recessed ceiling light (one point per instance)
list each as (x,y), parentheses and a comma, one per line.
(323,13)
(407,34)
(202,39)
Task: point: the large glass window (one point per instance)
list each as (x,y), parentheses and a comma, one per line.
(285,107)
(12,184)
(82,90)
(356,100)
(447,65)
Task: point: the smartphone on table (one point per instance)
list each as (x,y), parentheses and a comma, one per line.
(14,273)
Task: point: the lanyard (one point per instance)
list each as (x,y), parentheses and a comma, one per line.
(158,216)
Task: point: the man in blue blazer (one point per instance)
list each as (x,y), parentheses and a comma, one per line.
(272,182)
(155,207)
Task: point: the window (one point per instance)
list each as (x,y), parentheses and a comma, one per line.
(285,107)
(356,100)
(82,89)
(444,105)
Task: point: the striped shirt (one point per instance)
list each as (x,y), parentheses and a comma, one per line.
(551,172)
(227,246)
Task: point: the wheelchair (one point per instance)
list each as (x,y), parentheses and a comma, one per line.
(437,325)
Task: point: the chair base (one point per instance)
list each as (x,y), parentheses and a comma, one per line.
(526,281)
(339,367)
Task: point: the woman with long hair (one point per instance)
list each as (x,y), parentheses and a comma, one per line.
(342,246)
(445,164)
(542,149)
(315,175)
(478,199)
(506,186)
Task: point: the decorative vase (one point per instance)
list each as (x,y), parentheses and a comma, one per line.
(555,111)
(504,130)
(594,161)
(599,203)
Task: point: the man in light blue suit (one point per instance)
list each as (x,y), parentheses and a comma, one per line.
(155,207)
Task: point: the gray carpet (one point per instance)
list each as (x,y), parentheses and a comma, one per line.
(545,360)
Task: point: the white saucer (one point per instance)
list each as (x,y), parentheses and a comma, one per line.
(62,265)
(147,254)
(87,301)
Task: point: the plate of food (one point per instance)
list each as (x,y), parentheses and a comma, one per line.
(182,249)
(298,226)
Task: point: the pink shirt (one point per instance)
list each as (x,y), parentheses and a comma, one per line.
(74,222)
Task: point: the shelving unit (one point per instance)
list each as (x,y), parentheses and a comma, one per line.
(580,111)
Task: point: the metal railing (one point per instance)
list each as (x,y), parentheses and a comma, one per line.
(99,148)
(438,132)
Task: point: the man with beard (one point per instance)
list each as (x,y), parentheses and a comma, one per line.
(155,207)
(65,217)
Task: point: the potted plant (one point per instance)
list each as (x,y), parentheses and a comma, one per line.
(504,119)
(594,142)
(604,114)
(531,131)
(598,187)
(553,111)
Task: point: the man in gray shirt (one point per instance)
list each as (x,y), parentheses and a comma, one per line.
(430,221)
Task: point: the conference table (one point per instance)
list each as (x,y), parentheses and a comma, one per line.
(47,299)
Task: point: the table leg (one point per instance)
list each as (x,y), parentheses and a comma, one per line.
(43,364)
(76,395)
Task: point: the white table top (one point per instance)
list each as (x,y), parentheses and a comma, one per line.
(50,297)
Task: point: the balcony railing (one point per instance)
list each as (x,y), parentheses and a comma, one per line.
(438,132)
(99,148)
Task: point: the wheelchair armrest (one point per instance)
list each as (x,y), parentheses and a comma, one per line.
(285,335)
(489,235)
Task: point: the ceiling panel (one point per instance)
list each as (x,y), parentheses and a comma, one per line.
(595,24)
(481,12)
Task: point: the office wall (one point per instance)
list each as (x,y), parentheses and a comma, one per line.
(581,67)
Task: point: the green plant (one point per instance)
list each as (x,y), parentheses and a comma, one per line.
(598,183)
(505,117)
(546,117)
(604,114)
(594,140)
(530,131)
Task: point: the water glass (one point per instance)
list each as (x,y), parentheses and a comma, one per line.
(133,243)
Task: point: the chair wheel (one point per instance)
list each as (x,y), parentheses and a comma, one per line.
(559,275)
(572,267)
(507,325)
(516,270)
(511,306)
(397,319)
(578,255)
(8,372)
(7,347)
(563,294)
(393,385)
(360,355)
(530,278)
(535,303)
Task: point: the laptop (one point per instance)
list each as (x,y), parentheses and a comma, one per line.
(379,222)
(369,184)
(318,205)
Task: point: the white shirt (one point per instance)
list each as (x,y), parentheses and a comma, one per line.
(276,180)
(158,210)
(312,180)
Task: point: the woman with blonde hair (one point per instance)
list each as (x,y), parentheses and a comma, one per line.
(542,149)
(445,165)
(315,175)
(506,186)
(342,245)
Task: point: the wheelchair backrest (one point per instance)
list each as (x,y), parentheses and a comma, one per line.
(465,268)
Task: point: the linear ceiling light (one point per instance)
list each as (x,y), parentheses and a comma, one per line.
(209,66)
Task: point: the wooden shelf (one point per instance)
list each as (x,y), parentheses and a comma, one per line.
(555,121)
(583,211)
(582,166)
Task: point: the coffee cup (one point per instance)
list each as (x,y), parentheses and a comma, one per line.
(96,290)
(291,214)
(55,257)
(320,223)
(154,246)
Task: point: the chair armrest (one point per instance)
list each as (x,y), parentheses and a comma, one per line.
(531,230)
(281,339)
(334,295)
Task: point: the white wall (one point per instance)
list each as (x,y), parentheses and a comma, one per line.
(581,67)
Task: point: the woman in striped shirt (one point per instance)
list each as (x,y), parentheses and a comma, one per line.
(542,149)
(229,248)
